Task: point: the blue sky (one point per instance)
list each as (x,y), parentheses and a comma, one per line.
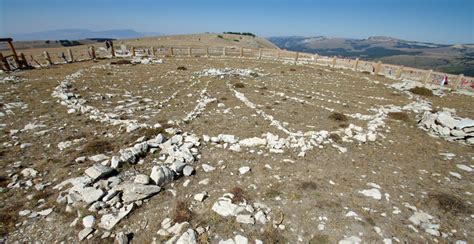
(440,21)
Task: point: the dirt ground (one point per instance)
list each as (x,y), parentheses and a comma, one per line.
(313,199)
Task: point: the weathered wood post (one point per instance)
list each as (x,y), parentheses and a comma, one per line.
(459,81)
(428,76)
(133,51)
(15,56)
(259,53)
(153,51)
(24,62)
(207,51)
(92,52)
(356,64)
(241,52)
(4,63)
(315,58)
(297,57)
(112,50)
(71,57)
(399,72)
(171,52)
(48,58)
(334,60)
(377,67)
(224,52)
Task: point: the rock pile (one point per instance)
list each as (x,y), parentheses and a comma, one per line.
(113,194)
(222,73)
(142,60)
(447,125)
(244,213)
(75,104)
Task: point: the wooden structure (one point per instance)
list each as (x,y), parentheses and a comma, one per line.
(20,61)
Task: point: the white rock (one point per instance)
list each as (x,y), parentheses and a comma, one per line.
(225,207)
(134,192)
(161,175)
(90,194)
(350,240)
(108,221)
(142,179)
(445,119)
(457,175)
(200,196)
(207,167)
(374,193)
(464,167)
(84,233)
(29,172)
(244,169)
(188,170)
(98,158)
(241,239)
(45,212)
(188,237)
(253,142)
(88,221)
(245,219)
(98,171)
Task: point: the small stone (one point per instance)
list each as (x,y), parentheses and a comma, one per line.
(88,221)
(374,193)
(84,233)
(241,239)
(464,167)
(243,170)
(29,173)
(121,238)
(188,237)
(200,196)
(142,179)
(24,212)
(161,175)
(98,171)
(457,175)
(245,219)
(207,167)
(98,158)
(188,170)
(45,212)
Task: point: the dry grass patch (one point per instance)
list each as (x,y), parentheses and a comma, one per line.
(97,146)
(181,213)
(307,185)
(181,68)
(450,203)
(422,91)
(121,62)
(339,117)
(335,137)
(239,195)
(402,116)
(239,85)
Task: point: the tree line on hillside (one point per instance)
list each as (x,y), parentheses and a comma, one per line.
(240,33)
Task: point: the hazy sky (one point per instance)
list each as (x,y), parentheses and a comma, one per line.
(441,21)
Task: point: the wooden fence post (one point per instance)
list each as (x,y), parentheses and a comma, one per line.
(356,64)
(259,53)
(278,54)
(112,50)
(48,58)
(133,51)
(15,56)
(223,52)
(4,63)
(427,77)
(171,52)
(459,80)
(92,52)
(207,51)
(241,52)
(71,57)
(297,56)
(399,72)
(24,62)
(334,61)
(189,52)
(377,67)
(315,58)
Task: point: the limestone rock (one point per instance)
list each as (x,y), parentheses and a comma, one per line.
(134,192)
(108,221)
(161,175)
(98,171)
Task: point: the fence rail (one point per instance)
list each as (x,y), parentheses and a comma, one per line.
(36,60)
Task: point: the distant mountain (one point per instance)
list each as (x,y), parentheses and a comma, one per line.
(79,34)
(444,58)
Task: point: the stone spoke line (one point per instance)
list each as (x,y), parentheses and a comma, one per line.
(200,107)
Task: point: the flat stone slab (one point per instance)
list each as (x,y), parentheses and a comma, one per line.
(134,191)
(108,221)
(98,171)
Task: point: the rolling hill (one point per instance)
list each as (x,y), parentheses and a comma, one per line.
(454,59)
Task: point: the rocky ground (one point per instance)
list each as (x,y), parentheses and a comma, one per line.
(232,150)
